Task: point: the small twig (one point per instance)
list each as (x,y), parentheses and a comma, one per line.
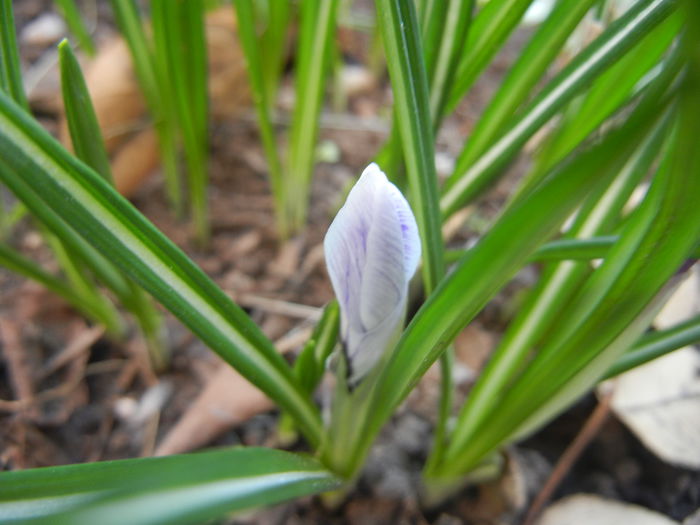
(38,71)
(148,446)
(46,395)
(106,424)
(107,366)
(138,353)
(126,375)
(19,368)
(455,223)
(590,429)
(293,339)
(277,306)
(328,120)
(77,346)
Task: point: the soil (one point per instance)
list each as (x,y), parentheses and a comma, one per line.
(80,411)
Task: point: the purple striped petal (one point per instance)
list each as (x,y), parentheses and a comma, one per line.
(372,250)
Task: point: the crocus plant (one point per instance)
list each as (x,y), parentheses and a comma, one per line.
(626,109)
(372,251)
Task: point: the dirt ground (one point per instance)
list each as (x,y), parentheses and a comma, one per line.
(68,394)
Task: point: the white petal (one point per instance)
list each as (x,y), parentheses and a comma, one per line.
(367,348)
(383,281)
(409,231)
(345,245)
(372,250)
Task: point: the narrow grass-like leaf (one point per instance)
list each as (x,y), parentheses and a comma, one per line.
(99,308)
(71,15)
(478,276)
(129,22)
(444,27)
(609,92)
(661,82)
(151,77)
(575,249)
(432,16)
(581,249)
(619,301)
(83,284)
(311,362)
(409,81)
(491,27)
(102,268)
(85,133)
(274,45)
(178,28)
(190,488)
(89,147)
(19,264)
(82,199)
(10,70)
(313,57)
(73,250)
(589,351)
(673,231)
(560,250)
(621,35)
(261,92)
(194,55)
(401,37)
(546,302)
(457,20)
(657,344)
(536,57)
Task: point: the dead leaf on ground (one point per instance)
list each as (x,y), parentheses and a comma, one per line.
(227,400)
(473,346)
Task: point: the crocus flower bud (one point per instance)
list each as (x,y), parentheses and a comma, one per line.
(372,250)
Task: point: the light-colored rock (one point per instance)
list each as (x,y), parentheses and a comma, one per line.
(660,401)
(43,31)
(588,509)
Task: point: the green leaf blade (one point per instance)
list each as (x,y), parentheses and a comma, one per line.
(10,70)
(480,274)
(532,63)
(121,233)
(71,15)
(181,65)
(85,132)
(467,183)
(188,488)
(261,95)
(657,344)
(620,300)
(491,27)
(313,57)
(409,81)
